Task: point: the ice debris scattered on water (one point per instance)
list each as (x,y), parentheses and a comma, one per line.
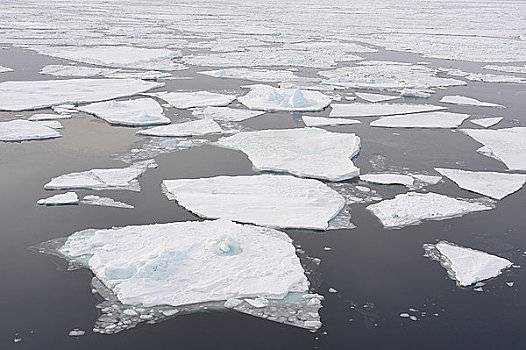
(486,122)
(271,99)
(379,109)
(321,121)
(196,127)
(225,114)
(467,101)
(104,202)
(24,130)
(441,120)
(184,100)
(68,198)
(375,97)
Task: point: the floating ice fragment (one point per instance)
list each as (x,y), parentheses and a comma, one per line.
(232,302)
(268,98)
(443,120)
(404,315)
(494,78)
(332,290)
(76,332)
(306,152)
(59,70)
(388,179)
(24,130)
(184,100)
(486,122)
(257,302)
(375,97)
(48,116)
(53,124)
(5,69)
(508,69)
(262,75)
(266,200)
(196,127)
(379,109)
(226,114)
(428,179)
(104,202)
(60,199)
(467,101)
(320,121)
(415,93)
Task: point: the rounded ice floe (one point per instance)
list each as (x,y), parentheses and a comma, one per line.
(193,128)
(67,198)
(24,130)
(266,200)
(443,120)
(305,152)
(388,179)
(184,100)
(412,208)
(467,101)
(378,109)
(177,264)
(271,99)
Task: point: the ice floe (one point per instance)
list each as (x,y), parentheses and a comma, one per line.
(261,75)
(67,198)
(306,152)
(266,200)
(495,78)
(53,124)
(375,97)
(486,122)
(490,184)
(192,128)
(417,93)
(465,265)
(27,95)
(445,120)
(388,179)
(428,179)
(467,101)
(139,112)
(5,69)
(184,100)
(412,208)
(225,114)
(104,202)
(24,130)
(102,179)
(507,69)
(48,116)
(59,70)
(379,109)
(268,98)
(321,121)
(506,145)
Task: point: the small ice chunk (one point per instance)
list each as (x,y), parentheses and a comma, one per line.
(428,179)
(486,122)
(495,78)
(261,75)
(59,70)
(413,318)
(388,179)
(379,109)
(363,188)
(257,302)
(105,202)
(415,93)
(443,120)
(467,101)
(130,312)
(24,130)
(5,69)
(193,128)
(375,97)
(48,116)
(510,284)
(60,199)
(76,332)
(313,324)
(225,114)
(320,121)
(184,100)
(232,303)
(412,208)
(271,99)
(332,290)
(53,124)
(404,315)
(490,184)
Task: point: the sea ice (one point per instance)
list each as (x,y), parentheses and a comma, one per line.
(261,75)
(428,179)
(48,116)
(506,145)
(139,112)
(60,199)
(466,266)
(225,114)
(320,121)
(59,70)
(76,332)
(486,122)
(495,78)
(375,97)
(5,69)
(24,130)
(418,93)
(378,109)
(53,124)
(104,202)
(411,208)
(490,184)
(268,98)
(388,179)
(306,152)
(265,200)
(507,69)
(184,100)
(467,101)
(190,262)
(192,128)
(445,120)
(27,95)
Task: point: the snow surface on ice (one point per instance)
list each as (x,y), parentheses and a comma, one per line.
(27,95)
(375,97)
(5,69)
(104,202)
(225,114)
(378,109)
(486,122)
(195,127)
(139,112)
(490,184)
(388,179)
(507,69)
(320,121)
(439,119)
(59,70)
(412,208)
(467,101)
(184,100)
(428,179)
(261,75)
(305,152)
(495,78)
(53,124)
(48,116)
(60,199)
(268,98)
(265,200)
(24,130)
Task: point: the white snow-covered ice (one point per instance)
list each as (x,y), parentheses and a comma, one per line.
(444,120)
(271,99)
(184,100)
(48,116)
(104,202)
(5,69)
(321,121)
(467,101)
(25,130)
(225,114)
(375,97)
(378,109)
(486,122)
(388,179)
(67,198)
(192,128)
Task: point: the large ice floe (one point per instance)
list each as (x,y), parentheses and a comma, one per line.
(379,109)
(306,152)
(139,112)
(486,122)
(444,120)
(465,265)
(192,128)
(102,179)
(412,208)
(67,198)
(506,145)
(268,98)
(266,200)
(321,121)
(184,100)
(467,101)
(225,114)
(25,130)
(490,184)
(27,95)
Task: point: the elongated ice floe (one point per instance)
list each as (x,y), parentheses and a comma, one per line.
(490,184)
(27,95)
(48,116)
(24,130)
(388,179)
(506,145)
(444,120)
(467,101)
(507,69)
(190,262)
(225,114)
(495,78)
(139,112)
(261,75)
(59,70)
(184,100)
(375,97)
(321,121)
(102,179)
(271,99)
(464,265)
(195,127)
(265,200)
(378,109)
(305,152)
(486,122)
(67,198)
(5,69)
(412,208)
(104,202)
(53,124)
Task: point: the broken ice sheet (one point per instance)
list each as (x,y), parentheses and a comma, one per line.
(27,95)
(467,101)
(196,127)
(271,99)
(375,97)
(184,100)
(138,112)
(104,202)
(378,109)
(102,179)
(489,184)
(486,122)
(412,208)
(5,69)
(506,145)
(388,179)
(225,114)
(441,120)
(466,266)
(67,198)
(266,200)
(320,121)
(153,147)
(305,152)
(494,78)
(24,130)
(48,116)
